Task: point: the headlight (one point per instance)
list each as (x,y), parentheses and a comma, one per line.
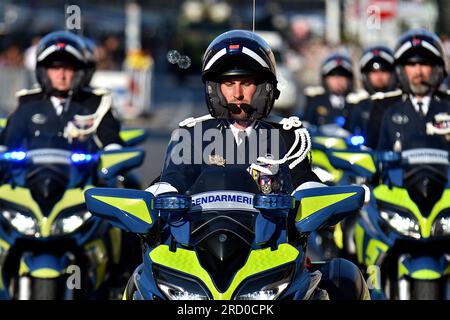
(268,286)
(441,227)
(70,223)
(404,225)
(173,292)
(23,223)
(270,292)
(176,286)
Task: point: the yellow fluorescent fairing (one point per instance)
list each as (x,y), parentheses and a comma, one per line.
(310,205)
(127,135)
(320,159)
(259,261)
(133,206)
(400,197)
(111,159)
(363,160)
(23,198)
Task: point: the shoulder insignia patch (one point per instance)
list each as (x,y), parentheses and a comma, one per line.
(384,95)
(313,91)
(25,92)
(190,122)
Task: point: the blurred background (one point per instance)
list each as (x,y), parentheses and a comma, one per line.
(149,52)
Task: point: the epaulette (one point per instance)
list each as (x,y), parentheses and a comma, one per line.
(191,121)
(313,91)
(287,123)
(25,92)
(97,91)
(384,95)
(356,97)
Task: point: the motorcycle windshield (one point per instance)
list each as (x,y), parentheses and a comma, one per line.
(222,220)
(425,176)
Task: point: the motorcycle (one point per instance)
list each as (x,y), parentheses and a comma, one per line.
(224,240)
(326,244)
(51,247)
(403,234)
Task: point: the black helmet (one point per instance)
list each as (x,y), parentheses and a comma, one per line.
(337,64)
(60,48)
(90,60)
(420,45)
(239,52)
(377,58)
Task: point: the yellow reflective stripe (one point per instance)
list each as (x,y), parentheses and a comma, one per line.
(45,273)
(402,270)
(99,249)
(124,297)
(258,261)
(4,245)
(361,159)
(359,242)
(71,198)
(3,122)
(22,197)
(447,270)
(310,205)
(127,135)
(331,143)
(320,159)
(109,160)
(23,268)
(425,275)
(374,248)
(400,197)
(135,207)
(338,236)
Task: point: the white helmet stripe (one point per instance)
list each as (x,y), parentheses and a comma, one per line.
(428,45)
(75,52)
(54,48)
(216,57)
(386,57)
(402,49)
(44,54)
(254,56)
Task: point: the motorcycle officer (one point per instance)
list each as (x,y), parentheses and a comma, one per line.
(240,87)
(419,116)
(239,74)
(378,75)
(62,113)
(327,104)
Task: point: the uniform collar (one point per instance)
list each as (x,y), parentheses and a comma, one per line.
(425,103)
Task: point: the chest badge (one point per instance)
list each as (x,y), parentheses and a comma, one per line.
(322,110)
(39,118)
(400,119)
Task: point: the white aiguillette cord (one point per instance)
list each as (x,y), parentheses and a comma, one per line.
(300,135)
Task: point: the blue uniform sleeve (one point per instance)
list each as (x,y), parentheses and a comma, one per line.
(16,129)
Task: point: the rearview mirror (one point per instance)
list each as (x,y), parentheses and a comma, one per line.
(360,163)
(319,208)
(128,209)
(114,162)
